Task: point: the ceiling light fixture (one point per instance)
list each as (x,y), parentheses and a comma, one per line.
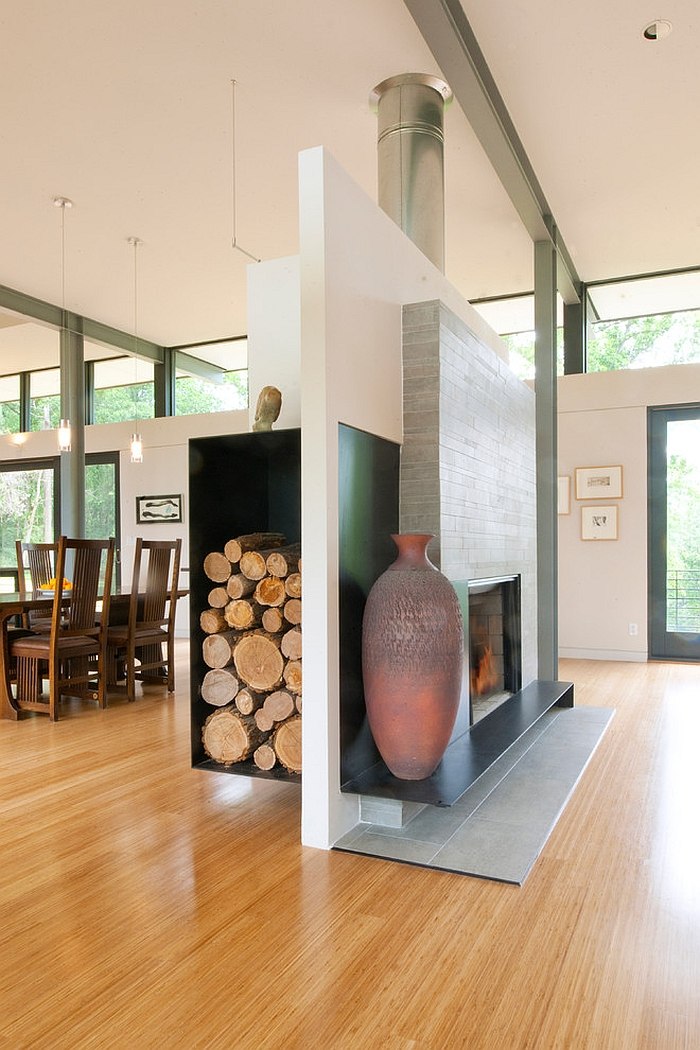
(659,29)
(64,431)
(234,239)
(136,444)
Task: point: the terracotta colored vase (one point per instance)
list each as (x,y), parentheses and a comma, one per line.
(412,646)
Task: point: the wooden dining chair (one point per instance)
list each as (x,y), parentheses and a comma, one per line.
(148,636)
(73,654)
(39,559)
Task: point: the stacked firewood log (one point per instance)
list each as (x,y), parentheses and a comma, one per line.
(252,647)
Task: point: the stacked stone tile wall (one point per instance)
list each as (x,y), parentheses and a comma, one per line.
(468,458)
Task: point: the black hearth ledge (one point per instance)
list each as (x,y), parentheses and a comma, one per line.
(470,755)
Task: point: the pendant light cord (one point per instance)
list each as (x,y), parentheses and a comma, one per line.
(63,264)
(64,429)
(234,240)
(135,242)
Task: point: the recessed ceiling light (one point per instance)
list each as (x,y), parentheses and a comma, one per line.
(657,30)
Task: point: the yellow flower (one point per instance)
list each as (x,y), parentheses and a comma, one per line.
(51,585)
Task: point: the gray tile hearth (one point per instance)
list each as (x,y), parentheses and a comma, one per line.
(498,828)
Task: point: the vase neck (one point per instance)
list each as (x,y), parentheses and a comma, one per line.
(412,547)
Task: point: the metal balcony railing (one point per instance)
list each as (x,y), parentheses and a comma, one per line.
(683,600)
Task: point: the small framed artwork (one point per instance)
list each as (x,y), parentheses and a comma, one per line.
(158,510)
(564,495)
(598,523)
(598,482)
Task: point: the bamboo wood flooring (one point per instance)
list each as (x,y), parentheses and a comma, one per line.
(145,904)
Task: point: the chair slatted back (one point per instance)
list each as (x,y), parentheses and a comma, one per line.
(88,564)
(159,561)
(39,559)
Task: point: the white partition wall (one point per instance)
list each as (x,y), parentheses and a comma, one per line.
(357,270)
(274,335)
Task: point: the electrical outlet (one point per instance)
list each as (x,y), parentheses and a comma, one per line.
(633,629)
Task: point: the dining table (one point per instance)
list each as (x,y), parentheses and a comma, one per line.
(14,605)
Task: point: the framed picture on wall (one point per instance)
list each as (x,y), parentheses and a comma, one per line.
(598,523)
(599,482)
(158,510)
(564,495)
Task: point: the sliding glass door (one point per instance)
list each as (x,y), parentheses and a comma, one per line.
(29,506)
(28,511)
(674,532)
(102,502)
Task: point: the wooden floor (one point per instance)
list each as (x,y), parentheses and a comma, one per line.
(145,904)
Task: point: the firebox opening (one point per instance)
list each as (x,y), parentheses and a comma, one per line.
(494,643)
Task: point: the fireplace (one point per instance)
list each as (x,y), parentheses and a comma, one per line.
(494,643)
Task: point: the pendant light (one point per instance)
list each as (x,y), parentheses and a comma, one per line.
(64,429)
(136,444)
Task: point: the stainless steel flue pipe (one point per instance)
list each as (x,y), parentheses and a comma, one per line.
(410,159)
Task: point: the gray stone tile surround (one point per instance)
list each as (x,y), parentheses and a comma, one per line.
(468,458)
(500,825)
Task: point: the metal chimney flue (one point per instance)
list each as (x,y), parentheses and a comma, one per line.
(410,140)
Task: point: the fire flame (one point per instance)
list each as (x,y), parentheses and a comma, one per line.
(484,676)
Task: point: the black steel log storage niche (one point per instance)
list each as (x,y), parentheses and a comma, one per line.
(245,603)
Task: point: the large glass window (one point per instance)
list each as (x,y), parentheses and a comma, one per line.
(123,390)
(513,318)
(199,395)
(644,342)
(644,322)
(211,377)
(45,399)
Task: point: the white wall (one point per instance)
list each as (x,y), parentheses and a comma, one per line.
(274,336)
(603,585)
(357,269)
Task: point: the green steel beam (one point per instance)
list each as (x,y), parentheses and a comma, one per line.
(546,457)
(164,385)
(25,411)
(446,29)
(201,369)
(86,327)
(575,337)
(73,408)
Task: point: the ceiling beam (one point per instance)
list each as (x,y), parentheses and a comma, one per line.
(447,32)
(93,331)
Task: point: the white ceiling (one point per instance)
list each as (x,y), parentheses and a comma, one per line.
(126,108)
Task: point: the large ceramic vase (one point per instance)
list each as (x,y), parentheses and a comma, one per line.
(412,646)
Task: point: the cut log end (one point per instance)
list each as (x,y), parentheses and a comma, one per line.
(290,645)
(229,737)
(212,621)
(216,649)
(252,541)
(258,661)
(217,567)
(287,744)
(279,705)
(292,611)
(292,676)
(219,687)
(242,614)
(273,621)
(270,591)
(264,757)
(292,585)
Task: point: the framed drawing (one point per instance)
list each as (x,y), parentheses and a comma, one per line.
(598,482)
(158,510)
(564,495)
(598,523)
